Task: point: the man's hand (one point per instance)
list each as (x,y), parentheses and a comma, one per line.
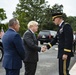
(64,57)
(43,48)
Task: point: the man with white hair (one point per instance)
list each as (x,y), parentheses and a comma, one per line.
(31,48)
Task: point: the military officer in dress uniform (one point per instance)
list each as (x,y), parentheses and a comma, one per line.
(64,38)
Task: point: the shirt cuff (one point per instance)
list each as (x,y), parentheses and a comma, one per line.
(50,45)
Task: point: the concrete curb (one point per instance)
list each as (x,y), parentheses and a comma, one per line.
(73,70)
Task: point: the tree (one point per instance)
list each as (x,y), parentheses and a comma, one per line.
(37,10)
(72,21)
(57,8)
(2,16)
(28,10)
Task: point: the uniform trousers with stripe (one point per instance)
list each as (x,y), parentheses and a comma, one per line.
(63,66)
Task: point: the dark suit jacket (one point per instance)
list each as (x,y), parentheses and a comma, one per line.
(31,47)
(13,50)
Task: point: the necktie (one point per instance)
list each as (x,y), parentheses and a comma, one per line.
(34,36)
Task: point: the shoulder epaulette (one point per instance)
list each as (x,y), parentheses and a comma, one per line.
(66,23)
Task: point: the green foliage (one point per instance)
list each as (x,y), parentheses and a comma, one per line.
(57,8)
(2,17)
(39,11)
(72,21)
(2,14)
(28,10)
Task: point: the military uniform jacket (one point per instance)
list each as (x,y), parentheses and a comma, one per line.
(64,38)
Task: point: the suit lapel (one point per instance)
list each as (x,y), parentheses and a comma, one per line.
(34,37)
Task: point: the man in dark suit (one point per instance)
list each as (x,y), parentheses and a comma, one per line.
(31,48)
(13,49)
(64,38)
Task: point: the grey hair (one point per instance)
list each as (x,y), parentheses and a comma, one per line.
(32,23)
(12,22)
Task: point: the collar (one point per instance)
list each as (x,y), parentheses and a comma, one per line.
(12,29)
(61,23)
(31,31)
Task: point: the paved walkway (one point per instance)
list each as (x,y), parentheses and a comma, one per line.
(73,70)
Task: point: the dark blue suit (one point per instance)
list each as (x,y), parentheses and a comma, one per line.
(13,52)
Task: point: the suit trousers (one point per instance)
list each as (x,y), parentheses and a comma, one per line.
(30,68)
(63,66)
(12,71)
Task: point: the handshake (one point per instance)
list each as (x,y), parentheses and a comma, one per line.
(43,48)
